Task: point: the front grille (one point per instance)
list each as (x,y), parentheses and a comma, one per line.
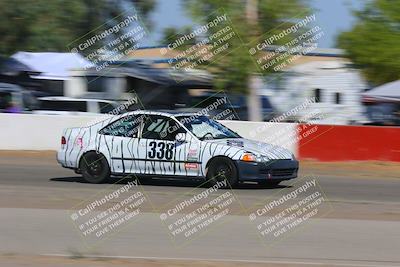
(282,172)
(278,172)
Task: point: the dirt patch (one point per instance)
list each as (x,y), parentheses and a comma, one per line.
(361,169)
(28,153)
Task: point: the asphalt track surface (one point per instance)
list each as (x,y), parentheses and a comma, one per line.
(361,227)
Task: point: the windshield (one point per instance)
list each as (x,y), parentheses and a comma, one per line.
(205,129)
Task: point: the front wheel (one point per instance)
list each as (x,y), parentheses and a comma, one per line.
(222,170)
(94,168)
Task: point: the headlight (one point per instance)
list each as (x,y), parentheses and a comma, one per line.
(250,157)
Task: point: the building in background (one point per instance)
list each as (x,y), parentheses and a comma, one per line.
(51,69)
(333,87)
(15,72)
(323,74)
(156,87)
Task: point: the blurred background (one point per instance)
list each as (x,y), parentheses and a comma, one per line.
(337,60)
(328,69)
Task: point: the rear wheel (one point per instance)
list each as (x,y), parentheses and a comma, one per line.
(94,168)
(222,170)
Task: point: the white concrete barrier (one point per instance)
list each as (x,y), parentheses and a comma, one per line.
(43,132)
(36,132)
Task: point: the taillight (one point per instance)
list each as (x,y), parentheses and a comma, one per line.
(63,140)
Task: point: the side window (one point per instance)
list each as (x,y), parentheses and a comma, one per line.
(127,126)
(161,128)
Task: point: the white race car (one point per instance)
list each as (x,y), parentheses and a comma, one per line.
(159,144)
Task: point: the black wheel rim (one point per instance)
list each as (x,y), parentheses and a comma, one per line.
(223,172)
(94,166)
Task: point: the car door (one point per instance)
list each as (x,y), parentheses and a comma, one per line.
(161,153)
(119,142)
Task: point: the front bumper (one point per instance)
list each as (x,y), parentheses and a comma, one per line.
(281,169)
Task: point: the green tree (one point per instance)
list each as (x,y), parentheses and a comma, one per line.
(170,34)
(373,42)
(42,25)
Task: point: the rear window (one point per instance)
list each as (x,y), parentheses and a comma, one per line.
(59,105)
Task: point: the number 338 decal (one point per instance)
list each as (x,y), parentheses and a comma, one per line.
(161,150)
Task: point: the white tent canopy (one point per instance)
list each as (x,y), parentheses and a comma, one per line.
(52,65)
(387,92)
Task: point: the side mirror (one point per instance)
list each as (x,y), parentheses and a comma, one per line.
(181,137)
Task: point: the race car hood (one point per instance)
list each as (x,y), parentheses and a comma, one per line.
(258,148)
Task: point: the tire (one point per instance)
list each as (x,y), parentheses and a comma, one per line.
(94,168)
(221,169)
(271,183)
